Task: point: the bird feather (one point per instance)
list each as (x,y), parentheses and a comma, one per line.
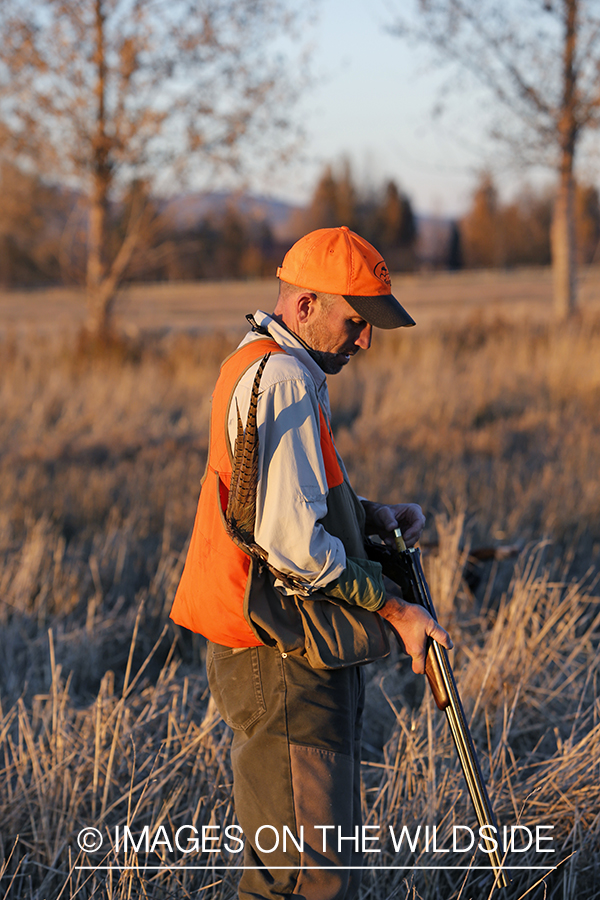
(240,515)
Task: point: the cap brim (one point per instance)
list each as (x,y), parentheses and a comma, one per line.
(381,311)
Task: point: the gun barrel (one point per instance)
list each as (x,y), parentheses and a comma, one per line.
(470,764)
(443,685)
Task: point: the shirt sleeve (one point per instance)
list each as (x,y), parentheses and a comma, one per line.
(292,489)
(360,584)
(292,495)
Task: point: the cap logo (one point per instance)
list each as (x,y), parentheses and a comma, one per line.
(381,271)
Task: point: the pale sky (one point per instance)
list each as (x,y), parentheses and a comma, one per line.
(372,101)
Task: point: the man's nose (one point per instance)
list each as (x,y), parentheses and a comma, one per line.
(364,339)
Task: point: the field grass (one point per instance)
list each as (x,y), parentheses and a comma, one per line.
(434,298)
(105,720)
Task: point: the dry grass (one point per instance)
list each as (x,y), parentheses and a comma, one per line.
(105,719)
(521,295)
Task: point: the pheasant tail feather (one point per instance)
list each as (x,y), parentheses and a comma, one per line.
(241,504)
(240,514)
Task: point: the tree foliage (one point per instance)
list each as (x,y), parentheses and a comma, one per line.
(383,216)
(230,243)
(104,94)
(32,217)
(518,232)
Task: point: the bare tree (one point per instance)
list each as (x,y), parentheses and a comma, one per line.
(540,60)
(103,94)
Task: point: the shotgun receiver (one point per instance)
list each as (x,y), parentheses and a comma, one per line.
(405,569)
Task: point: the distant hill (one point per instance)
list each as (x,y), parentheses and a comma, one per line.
(187,210)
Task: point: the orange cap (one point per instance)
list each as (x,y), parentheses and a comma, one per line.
(338,261)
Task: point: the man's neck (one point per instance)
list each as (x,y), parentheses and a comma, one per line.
(319,358)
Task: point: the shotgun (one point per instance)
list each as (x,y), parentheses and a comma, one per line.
(405,569)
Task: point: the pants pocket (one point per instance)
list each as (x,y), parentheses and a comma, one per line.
(235,682)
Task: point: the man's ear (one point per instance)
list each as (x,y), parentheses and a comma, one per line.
(306,304)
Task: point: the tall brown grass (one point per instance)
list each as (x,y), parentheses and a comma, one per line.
(105,719)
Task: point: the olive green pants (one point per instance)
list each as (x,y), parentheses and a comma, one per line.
(296,767)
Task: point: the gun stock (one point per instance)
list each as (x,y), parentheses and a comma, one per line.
(405,569)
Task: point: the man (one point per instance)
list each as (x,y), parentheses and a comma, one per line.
(288,600)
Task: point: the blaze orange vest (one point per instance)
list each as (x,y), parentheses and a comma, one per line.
(211,593)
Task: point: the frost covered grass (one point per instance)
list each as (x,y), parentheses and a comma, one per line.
(105,719)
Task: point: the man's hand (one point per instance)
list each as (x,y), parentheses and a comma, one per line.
(413,625)
(383,520)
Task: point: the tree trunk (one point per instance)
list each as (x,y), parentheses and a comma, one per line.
(563,249)
(563,223)
(100,309)
(100,296)
(99,302)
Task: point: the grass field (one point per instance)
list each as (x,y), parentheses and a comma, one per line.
(488,415)
(434,298)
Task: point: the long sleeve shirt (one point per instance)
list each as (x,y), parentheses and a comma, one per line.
(292,486)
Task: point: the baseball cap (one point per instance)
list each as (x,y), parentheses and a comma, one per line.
(338,261)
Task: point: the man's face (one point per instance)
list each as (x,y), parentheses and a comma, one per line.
(335,332)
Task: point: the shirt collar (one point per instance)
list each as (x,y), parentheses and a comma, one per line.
(288,340)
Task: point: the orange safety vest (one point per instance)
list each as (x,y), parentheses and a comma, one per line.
(211,593)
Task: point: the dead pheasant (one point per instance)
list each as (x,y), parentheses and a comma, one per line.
(240,514)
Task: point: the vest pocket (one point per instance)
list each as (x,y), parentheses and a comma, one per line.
(235,683)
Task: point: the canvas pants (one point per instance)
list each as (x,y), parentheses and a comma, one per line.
(296,766)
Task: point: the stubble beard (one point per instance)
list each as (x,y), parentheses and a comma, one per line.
(330,363)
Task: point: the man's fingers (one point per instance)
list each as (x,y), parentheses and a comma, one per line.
(418,663)
(414,626)
(412,523)
(439,634)
(411,535)
(436,633)
(406,516)
(387,518)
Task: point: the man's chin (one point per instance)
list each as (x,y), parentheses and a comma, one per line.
(343,360)
(331,363)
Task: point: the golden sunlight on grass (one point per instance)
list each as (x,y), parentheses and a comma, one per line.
(105,720)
